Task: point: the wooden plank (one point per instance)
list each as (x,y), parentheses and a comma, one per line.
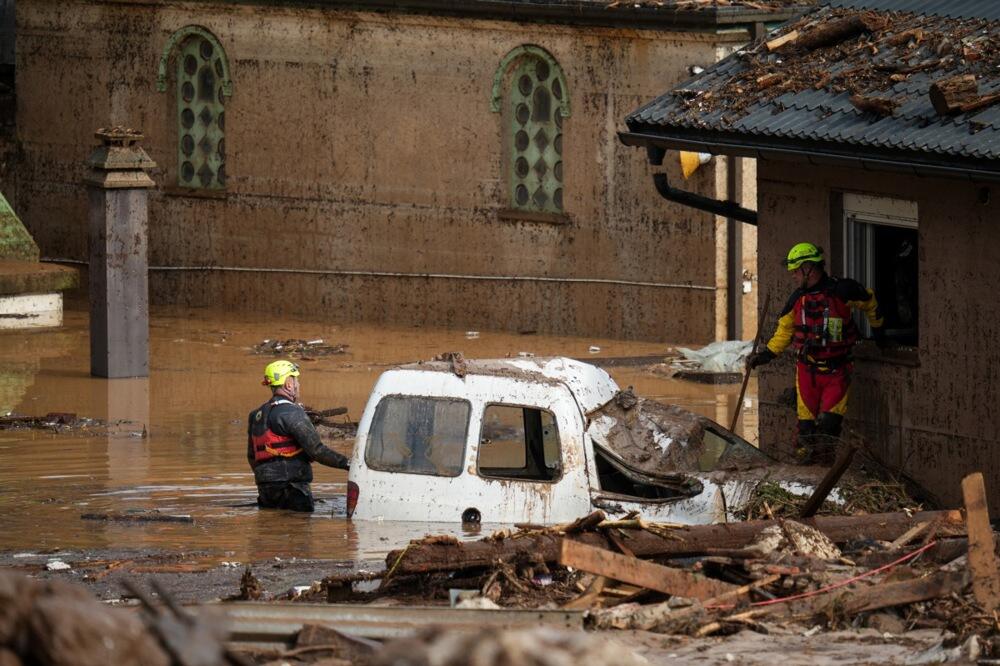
(649,575)
(683,541)
(982,548)
(664,617)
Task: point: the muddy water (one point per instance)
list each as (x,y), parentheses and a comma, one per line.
(177,443)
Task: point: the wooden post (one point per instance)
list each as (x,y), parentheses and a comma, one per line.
(844,457)
(119,292)
(982,549)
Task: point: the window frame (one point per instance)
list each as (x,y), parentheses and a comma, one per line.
(861,214)
(465,437)
(503,103)
(479,443)
(168,81)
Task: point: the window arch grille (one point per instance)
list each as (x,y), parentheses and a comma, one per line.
(203,83)
(538,104)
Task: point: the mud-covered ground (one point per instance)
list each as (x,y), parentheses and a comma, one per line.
(189,576)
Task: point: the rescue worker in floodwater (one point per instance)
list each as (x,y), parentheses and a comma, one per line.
(817,321)
(281,443)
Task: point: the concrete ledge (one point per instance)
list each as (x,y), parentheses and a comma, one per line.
(31,277)
(30,311)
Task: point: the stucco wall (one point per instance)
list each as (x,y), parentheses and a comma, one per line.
(936,419)
(365,142)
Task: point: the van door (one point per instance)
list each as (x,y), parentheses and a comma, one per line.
(529,453)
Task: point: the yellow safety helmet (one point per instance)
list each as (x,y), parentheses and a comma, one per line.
(803,253)
(277,372)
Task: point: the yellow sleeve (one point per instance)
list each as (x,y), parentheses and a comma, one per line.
(783,335)
(870,308)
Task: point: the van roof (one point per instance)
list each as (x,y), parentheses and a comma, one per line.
(591,386)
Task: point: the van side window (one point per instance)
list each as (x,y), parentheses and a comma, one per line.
(519,443)
(418,436)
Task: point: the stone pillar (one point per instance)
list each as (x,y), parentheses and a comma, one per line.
(119,288)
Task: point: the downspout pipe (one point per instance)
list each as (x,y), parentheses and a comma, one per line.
(729,209)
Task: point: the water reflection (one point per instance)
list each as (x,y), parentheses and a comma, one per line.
(176,441)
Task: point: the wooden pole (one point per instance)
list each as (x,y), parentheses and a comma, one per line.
(753,350)
(844,457)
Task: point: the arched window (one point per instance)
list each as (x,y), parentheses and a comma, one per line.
(202,84)
(537,104)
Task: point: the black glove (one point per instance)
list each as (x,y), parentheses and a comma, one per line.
(762,357)
(878,335)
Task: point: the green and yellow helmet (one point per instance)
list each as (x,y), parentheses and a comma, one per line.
(276,373)
(803,253)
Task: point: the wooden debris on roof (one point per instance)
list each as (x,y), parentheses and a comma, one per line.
(948,95)
(834,32)
(881,106)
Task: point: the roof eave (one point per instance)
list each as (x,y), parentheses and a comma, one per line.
(813,152)
(592,13)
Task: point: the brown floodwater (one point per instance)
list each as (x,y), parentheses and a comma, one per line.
(176,442)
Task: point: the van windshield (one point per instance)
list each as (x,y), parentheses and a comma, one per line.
(418,436)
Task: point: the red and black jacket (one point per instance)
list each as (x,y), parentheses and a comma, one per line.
(817,321)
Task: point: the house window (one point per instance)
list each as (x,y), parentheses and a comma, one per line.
(881,249)
(519,443)
(202,84)
(418,436)
(537,104)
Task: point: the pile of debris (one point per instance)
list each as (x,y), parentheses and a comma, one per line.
(329,428)
(857,496)
(865,54)
(305,350)
(718,579)
(56,421)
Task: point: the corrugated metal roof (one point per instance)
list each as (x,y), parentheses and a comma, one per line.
(987,9)
(727,99)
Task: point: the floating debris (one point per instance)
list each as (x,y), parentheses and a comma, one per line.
(298,348)
(57,421)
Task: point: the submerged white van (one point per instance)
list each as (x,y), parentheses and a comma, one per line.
(543,441)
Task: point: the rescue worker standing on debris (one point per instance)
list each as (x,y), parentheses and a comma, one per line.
(281,443)
(817,321)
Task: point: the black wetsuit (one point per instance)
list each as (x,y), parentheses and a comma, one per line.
(283,481)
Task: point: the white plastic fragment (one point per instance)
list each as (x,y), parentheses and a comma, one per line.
(57,565)
(724,356)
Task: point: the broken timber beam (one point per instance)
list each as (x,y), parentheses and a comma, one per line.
(632,570)
(778,42)
(682,541)
(838,31)
(948,95)
(982,548)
